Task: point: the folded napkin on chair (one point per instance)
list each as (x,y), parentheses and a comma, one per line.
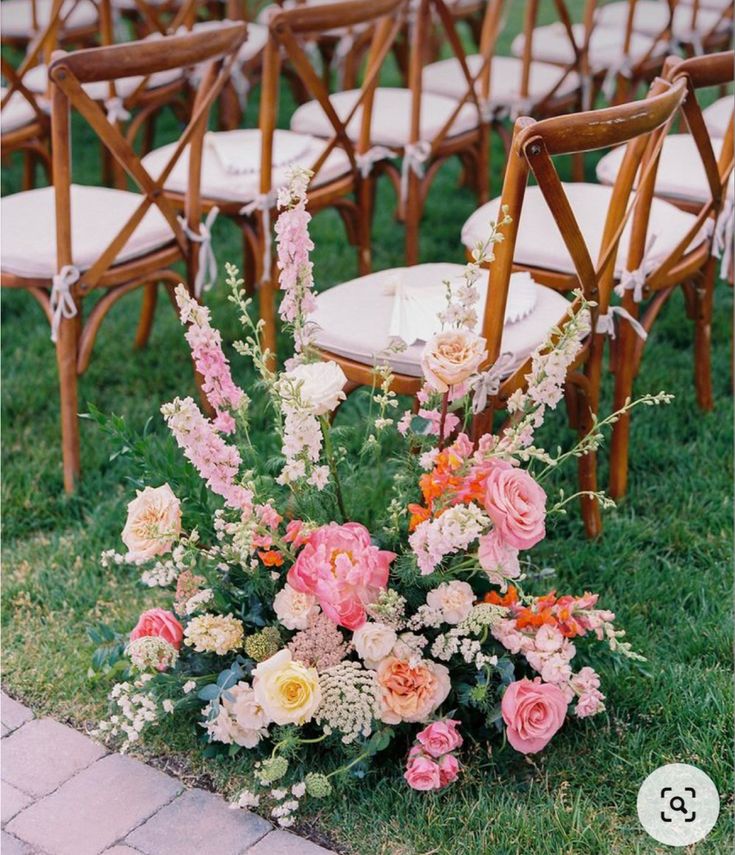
(417,304)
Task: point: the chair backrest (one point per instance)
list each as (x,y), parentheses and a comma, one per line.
(642,125)
(288,30)
(68,73)
(693,11)
(163,17)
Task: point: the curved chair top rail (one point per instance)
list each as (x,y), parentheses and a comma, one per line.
(604,128)
(148,57)
(303,20)
(715,69)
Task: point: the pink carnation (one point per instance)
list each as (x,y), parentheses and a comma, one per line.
(160,623)
(516,504)
(532,712)
(340,566)
(440,737)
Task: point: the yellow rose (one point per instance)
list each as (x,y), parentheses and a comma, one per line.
(287,690)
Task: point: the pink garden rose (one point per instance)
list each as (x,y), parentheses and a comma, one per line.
(440,737)
(532,712)
(340,566)
(411,691)
(448,769)
(498,559)
(516,504)
(160,623)
(422,773)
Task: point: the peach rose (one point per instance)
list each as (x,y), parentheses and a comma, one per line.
(160,623)
(422,773)
(440,737)
(516,504)
(411,691)
(532,712)
(451,357)
(153,523)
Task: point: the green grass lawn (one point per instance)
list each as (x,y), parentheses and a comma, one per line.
(663,565)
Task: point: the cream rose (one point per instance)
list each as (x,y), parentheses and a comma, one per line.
(373,642)
(288,691)
(294,609)
(320,386)
(153,523)
(451,358)
(453,599)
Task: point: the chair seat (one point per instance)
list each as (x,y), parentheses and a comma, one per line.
(16,17)
(540,243)
(689,184)
(16,113)
(551,44)
(251,47)
(651,19)
(446,78)
(353,319)
(231,163)
(718,116)
(721,5)
(28,229)
(391,116)
(36,80)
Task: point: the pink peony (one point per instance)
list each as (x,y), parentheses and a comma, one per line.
(498,559)
(516,504)
(160,623)
(448,769)
(440,737)
(340,566)
(532,712)
(422,773)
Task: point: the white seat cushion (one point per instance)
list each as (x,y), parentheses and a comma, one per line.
(16,17)
(689,184)
(540,244)
(651,18)
(721,5)
(551,44)
(718,116)
(28,228)
(391,116)
(353,319)
(129,5)
(36,80)
(241,182)
(16,113)
(446,78)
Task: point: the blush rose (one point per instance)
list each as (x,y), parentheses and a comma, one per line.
(516,504)
(440,737)
(533,712)
(451,358)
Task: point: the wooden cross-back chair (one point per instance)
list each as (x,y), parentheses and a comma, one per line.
(23,22)
(244,169)
(61,243)
(694,268)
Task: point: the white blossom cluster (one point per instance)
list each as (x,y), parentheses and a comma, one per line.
(447,534)
(152,653)
(134,709)
(235,538)
(425,616)
(350,700)
(389,608)
(209,633)
(198,600)
(459,640)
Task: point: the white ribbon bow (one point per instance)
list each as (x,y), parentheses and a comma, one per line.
(635,280)
(606,322)
(722,244)
(415,156)
(61,301)
(116,111)
(623,68)
(488,384)
(241,85)
(207,269)
(367,159)
(263,202)
(341,52)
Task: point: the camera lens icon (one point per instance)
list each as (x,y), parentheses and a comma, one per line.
(678,804)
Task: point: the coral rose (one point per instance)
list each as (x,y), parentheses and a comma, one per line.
(153,523)
(422,773)
(516,504)
(340,566)
(288,691)
(160,623)
(411,691)
(532,712)
(451,357)
(440,737)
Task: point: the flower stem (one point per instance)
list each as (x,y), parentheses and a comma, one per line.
(329,452)
(443,419)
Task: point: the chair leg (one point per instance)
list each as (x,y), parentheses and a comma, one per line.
(267,305)
(66,357)
(366,205)
(619,443)
(147,313)
(704,291)
(412,218)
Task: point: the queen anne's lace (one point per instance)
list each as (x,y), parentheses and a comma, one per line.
(350,700)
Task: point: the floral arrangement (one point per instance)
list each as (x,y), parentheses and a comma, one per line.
(309,607)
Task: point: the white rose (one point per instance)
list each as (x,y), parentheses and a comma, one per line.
(250,722)
(319,384)
(451,358)
(373,642)
(287,690)
(453,599)
(153,523)
(294,609)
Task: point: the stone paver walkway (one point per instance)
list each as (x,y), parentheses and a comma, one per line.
(64,794)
